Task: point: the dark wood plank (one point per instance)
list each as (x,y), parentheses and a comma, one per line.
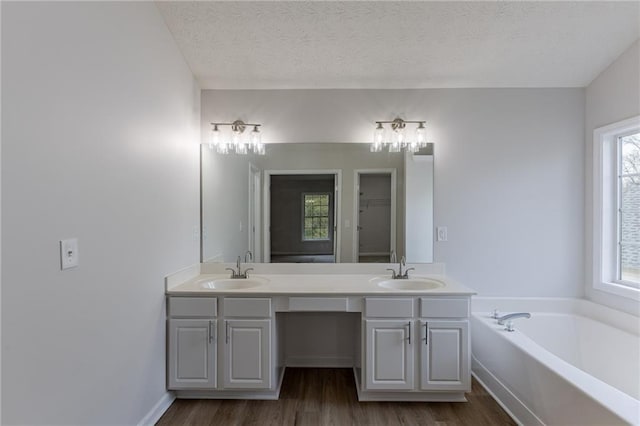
(327,396)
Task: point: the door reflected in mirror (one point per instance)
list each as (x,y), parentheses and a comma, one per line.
(317,202)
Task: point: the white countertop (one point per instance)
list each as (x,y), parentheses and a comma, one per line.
(317,284)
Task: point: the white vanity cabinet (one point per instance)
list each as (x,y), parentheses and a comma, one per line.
(444,345)
(425,352)
(410,347)
(389,343)
(191,358)
(389,355)
(247,343)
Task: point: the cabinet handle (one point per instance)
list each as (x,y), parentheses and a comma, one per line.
(426,333)
(409,327)
(210,331)
(226,337)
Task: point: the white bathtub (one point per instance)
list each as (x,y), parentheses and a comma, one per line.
(573,363)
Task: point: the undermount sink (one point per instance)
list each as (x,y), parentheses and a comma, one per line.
(232,283)
(410,284)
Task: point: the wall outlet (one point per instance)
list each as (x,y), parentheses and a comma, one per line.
(441,233)
(68,253)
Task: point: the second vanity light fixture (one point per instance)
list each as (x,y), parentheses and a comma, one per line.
(236,141)
(398,139)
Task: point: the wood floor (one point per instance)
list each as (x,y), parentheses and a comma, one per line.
(311,396)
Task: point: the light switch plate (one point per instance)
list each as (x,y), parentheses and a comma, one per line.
(68,253)
(441,233)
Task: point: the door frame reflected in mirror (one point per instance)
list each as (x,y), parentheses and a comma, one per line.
(337,193)
(356,207)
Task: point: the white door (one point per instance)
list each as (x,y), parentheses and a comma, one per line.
(389,354)
(192,354)
(247,363)
(445,355)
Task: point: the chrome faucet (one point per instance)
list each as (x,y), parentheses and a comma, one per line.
(510,317)
(239,274)
(248,253)
(400,275)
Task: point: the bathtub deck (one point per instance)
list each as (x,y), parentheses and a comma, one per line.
(328,396)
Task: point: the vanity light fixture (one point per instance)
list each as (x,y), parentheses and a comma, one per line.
(397,139)
(235,141)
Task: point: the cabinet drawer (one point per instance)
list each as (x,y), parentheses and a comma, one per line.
(333,304)
(442,307)
(249,307)
(193,307)
(389,307)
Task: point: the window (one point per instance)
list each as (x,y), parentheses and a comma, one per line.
(629,208)
(616,208)
(315,216)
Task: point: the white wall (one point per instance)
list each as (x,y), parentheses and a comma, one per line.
(100,142)
(613,96)
(509,170)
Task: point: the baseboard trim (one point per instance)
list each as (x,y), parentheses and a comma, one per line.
(158,410)
(256,394)
(515,408)
(405,396)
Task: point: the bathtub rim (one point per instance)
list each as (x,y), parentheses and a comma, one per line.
(615,318)
(621,404)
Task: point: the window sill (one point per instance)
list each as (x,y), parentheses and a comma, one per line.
(618,289)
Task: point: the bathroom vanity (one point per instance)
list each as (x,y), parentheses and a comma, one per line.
(410,338)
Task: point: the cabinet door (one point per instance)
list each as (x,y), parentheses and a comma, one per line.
(247,362)
(389,354)
(192,354)
(445,360)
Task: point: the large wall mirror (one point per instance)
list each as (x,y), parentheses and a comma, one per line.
(317,202)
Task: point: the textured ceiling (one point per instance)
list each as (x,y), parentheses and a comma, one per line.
(361,44)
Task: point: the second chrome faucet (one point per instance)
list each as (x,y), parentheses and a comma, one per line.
(400,275)
(237,273)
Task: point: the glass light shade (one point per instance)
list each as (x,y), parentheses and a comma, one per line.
(214,138)
(421,135)
(222,148)
(399,137)
(256,137)
(260,149)
(378,134)
(240,146)
(237,143)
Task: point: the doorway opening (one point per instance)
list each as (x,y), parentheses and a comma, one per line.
(375,212)
(302,217)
